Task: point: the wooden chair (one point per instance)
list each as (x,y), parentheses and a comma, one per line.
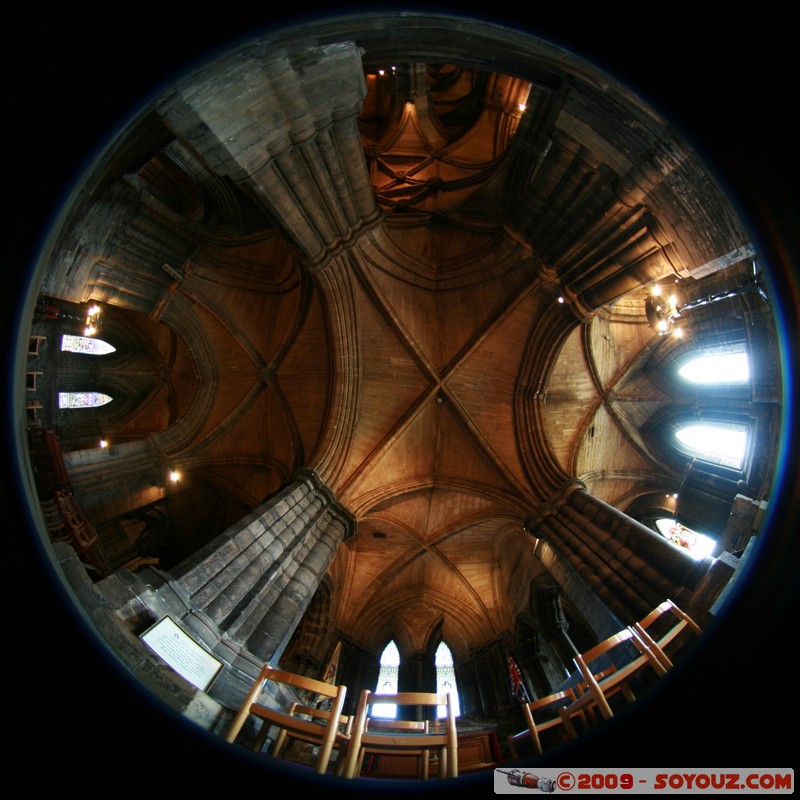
(36,344)
(598,691)
(582,687)
(412,742)
(286,737)
(33,407)
(662,627)
(542,715)
(31,379)
(325,729)
(378,725)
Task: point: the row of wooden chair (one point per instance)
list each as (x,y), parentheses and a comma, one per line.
(645,647)
(352,738)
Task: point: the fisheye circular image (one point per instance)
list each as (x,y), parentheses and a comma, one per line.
(396,397)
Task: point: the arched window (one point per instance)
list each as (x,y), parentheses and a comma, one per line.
(85,345)
(82,399)
(698,545)
(718,442)
(387,680)
(446,678)
(717,367)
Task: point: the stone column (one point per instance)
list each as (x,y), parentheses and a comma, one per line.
(251,585)
(626,565)
(118,252)
(284,126)
(107,483)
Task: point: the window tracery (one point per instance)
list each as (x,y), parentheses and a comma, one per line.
(85,345)
(387,680)
(83,399)
(446,678)
(698,545)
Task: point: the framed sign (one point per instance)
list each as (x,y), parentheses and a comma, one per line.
(174,646)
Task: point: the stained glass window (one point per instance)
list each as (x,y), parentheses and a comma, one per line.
(85,345)
(387,681)
(446,678)
(698,545)
(82,399)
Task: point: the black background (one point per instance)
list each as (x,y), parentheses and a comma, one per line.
(74,73)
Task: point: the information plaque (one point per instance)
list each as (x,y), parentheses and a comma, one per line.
(172,644)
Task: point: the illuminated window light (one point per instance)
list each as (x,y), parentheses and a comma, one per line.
(82,399)
(387,681)
(446,679)
(697,544)
(718,443)
(717,368)
(82,344)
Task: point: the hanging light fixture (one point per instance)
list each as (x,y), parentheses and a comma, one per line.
(661,310)
(664,309)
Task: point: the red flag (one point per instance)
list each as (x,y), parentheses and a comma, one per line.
(333,665)
(518,689)
(329,676)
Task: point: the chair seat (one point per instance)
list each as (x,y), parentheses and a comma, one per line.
(401,738)
(326,728)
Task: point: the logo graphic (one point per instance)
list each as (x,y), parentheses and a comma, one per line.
(528,781)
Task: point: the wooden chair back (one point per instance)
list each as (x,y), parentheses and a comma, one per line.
(599,690)
(326,728)
(541,715)
(398,725)
(285,736)
(662,627)
(367,736)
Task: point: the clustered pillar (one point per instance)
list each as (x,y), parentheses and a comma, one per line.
(628,566)
(253,583)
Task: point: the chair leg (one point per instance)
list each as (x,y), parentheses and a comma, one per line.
(537,745)
(570,728)
(278,745)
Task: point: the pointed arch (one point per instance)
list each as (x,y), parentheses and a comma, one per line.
(446,678)
(388,677)
(721,365)
(83,399)
(722,443)
(85,345)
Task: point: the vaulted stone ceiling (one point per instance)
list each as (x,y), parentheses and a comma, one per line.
(76,71)
(448,343)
